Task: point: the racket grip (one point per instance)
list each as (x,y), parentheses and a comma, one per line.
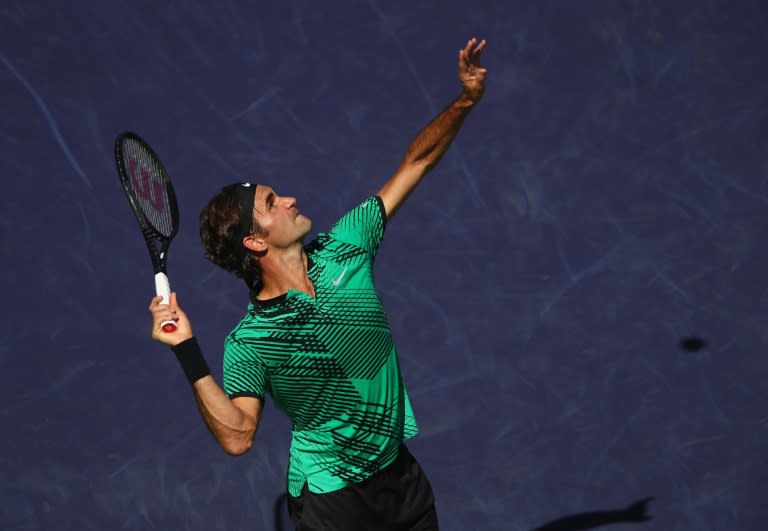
(163,288)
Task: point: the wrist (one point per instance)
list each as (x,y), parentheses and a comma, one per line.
(191,359)
(466,101)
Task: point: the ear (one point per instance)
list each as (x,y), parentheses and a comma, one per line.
(255,243)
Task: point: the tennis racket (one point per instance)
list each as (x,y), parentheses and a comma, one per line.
(151,196)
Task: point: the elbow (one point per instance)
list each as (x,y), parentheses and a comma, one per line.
(421,165)
(236,447)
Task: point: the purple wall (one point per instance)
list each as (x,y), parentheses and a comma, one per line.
(605,201)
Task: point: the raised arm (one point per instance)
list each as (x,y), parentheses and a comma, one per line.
(233,422)
(432,142)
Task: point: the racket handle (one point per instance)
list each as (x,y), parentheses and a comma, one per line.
(163,288)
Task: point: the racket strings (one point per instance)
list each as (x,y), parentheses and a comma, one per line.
(149,187)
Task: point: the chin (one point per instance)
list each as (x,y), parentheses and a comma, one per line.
(307,225)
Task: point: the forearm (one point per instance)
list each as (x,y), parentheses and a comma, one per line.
(433,141)
(230,426)
(426,150)
(423,153)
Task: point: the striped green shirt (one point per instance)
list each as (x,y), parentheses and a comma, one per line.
(328,362)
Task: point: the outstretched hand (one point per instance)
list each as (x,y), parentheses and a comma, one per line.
(471,74)
(169,312)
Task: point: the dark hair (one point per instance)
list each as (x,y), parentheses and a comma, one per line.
(220,228)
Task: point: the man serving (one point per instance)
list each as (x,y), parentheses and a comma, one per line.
(316,339)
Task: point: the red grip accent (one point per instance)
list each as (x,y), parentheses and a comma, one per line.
(168,328)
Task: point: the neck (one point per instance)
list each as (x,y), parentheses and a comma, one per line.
(285,270)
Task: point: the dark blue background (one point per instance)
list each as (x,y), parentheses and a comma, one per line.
(605,201)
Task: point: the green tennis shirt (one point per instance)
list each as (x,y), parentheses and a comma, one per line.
(328,362)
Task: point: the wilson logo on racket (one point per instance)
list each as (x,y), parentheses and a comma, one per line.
(145,186)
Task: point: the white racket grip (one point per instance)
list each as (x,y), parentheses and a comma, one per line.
(163,287)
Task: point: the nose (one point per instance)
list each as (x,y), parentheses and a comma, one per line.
(288,201)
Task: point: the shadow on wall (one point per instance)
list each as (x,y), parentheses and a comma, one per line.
(636,513)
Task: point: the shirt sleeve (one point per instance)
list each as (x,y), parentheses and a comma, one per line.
(363,226)
(244,373)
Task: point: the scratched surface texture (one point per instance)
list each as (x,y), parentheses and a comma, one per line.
(578,291)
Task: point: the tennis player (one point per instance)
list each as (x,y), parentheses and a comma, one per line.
(316,339)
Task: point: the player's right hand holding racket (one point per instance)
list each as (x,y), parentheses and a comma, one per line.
(163,313)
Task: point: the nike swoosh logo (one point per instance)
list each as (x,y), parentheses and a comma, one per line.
(338,280)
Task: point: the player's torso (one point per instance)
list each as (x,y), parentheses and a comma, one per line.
(325,354)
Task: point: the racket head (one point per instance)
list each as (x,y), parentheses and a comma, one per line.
(147,186)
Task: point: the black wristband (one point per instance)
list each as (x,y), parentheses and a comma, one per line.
(191,359)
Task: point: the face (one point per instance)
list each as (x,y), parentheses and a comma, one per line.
(279,217)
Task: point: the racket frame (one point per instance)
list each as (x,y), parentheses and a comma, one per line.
(152,236)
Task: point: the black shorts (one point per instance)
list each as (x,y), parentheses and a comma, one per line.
(398,497)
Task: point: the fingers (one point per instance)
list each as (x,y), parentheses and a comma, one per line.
(469,56)
(165,312)
(464,54)
(468,52)
(158,308)
(480,48)
(164,315)
(158,301)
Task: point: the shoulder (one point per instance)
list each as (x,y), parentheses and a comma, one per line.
(247,331)
(371,208)
(362,226)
